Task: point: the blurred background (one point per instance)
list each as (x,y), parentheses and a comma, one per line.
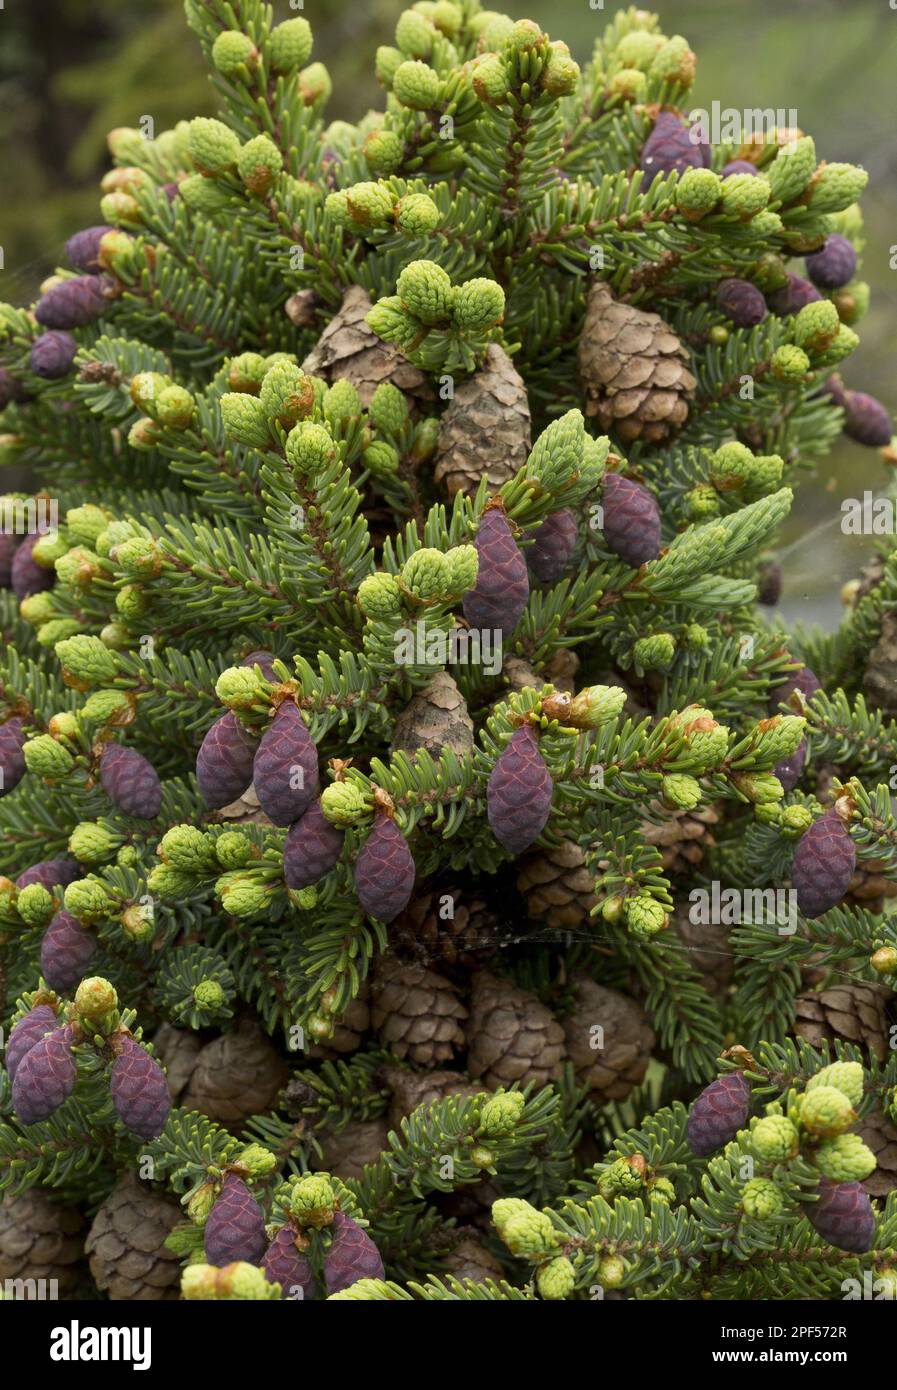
(72,69)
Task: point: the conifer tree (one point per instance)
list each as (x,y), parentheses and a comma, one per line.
(431,871)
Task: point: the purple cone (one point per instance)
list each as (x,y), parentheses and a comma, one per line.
(262,659)
(803,680)
(66,952)
(739,166)
(793,296)
(130,781)
(352,1255)
(833,386)
(519,792)
(83,249)
(312,848)
(50,873)
(26,575)
(741,302)
(8,544)
(866,420)
(384,871)
(139,1090)
(719,1112)
(843,1216)
(285,1265)
(500,594)
(285,767)
(789,770)
(670,148)
(235,1229)
(553,546)
(73,303)
(224,762)
(834,265)
(631,520)
(29,1030)
(824,864)
(52,354)
(12,759)
(45,1077)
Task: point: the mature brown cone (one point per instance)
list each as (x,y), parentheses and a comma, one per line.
(416,1013)
(633,370)
(619,1063)
(511,1035)
(435,718)
(880,680)
(244,811)
(41,1239)
(178,1050)
(411,1089)
(682,836)
(300,308)
(346,1153)
(447,927)
(349,1028)
(348,350)
(560,672)
(236,1076)
(854,1013)
(872,882)
(708,950)
(486,431)
(557,886)
(126,1244)
(878,1131)
(470,1259)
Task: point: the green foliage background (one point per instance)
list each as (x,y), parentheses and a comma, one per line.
(70,70)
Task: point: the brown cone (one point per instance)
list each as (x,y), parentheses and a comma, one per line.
(560,672)
(470,1259)
(871,884)
(486,431)
(346,1153)
(411,1089)
(681,836)
(708,950)
(348,350)
(435,718)
(236,1076)
(854,1013)
(41,1239)
(511,1035)
(300,308)
(880,681)
(126,1244)
(349,1028)
(633,370)
(416,1013)
(878,1131)
(446,927)
(558,887)
(626,1040)
(178,1050)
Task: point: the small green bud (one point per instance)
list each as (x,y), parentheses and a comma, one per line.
(416,214)
(291,45)
(595,705)
(208,996)
(315,85)
(628,83)
(845,1159)
(791,170)
(246,372)
(165,882)
(204,194)
(245,420)
(312,1201)
(46,758)
(639,48)
(759,787)
(234,55)
(645,917)
(611,1271)
(56,630)
(836,187)
(847,1077)
(464,564)
(561,74)
(379,596)
(38,609)
(524,36)
(478,304)
(370,204)
(826,1112)
(489,78)
(425,290)
(88,900)
(387,63)
(92,843)
(884,960)
(286,394)
(64,725)
(388,411)
(243,896)
(426,575)
(234,850)
(95,998)
(502,1113)
(680,791)
(49,548)
(790,363)
(675,62)
(138,557)
(310,448)
(106,707)
(415,35)
(384,151)
(345,804)
(259,163)
(258,1160)
(85,524)
(416,86)
(381,460)
(186,848)
(211,144)
(239,688)
(116,636)
(35,905)
(426,441)
(130,602)
(698,192)
(556,1279)
(816,326)
(526,1232)
(796,819)
(762,1199)
(774,1139)
(654,653)
(342,404)
(743,195)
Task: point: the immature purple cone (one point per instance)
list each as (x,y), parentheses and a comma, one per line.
(26,575)
(741,302)
(285,1265)
(834,264)
(8,545)
(843,1216)
(789,770)
(833,386)
(285,767)
(66,952)
(352,1256)
(739,166)
(866,420)
(670,147)
(803,679)
(262,659)
(224,762)
(553,546)
(139,1090)
(52,354)
(235,1229)
(45,1077)
(73,303)
(384,871)
(50,873)
(631,520)
(498,598)
(130,781)
(312,848)
(519,792)
(83,249)
(719,1112)
(792,296)
(824,864)
(12,759)
(29,1030)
